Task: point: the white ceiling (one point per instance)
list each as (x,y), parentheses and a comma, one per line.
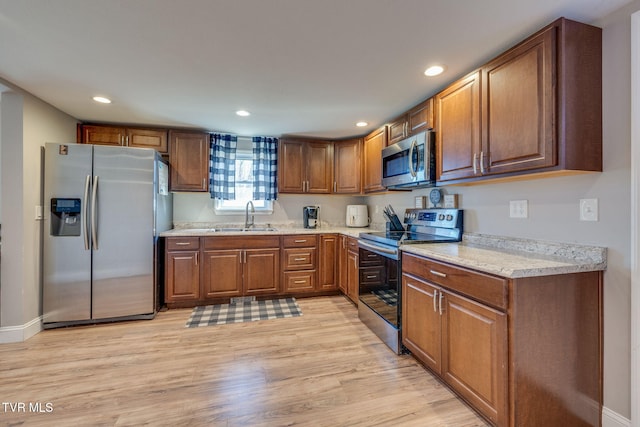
(311,67)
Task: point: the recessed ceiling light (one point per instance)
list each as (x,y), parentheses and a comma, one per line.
(102,99)
(243,113)
(362,124)
(434,70)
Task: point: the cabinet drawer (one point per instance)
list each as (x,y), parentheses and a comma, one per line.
(352,244)
(300,259)
(300,241)
(296,281)
(241,242)
(183,243)
(485,288)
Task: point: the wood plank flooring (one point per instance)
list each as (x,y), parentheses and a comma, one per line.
(324,368)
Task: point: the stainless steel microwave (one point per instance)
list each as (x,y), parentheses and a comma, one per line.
(410,163)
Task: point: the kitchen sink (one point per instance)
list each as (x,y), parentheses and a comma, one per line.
(236,229)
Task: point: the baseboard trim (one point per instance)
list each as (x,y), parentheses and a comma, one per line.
(20,333)
(613,419)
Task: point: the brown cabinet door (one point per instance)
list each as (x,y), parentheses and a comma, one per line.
(342,263)
(148,138)
(328,262)
(319,167)
(291,167)
(347,160)
(373,145)
(353,280)
(104,135)
(420,117)
(221,273)
(519,119)
(421,322)
(397,130)
(474,354)
(299,281)
(182,281)
(261,271)
(189,159)
(458,143)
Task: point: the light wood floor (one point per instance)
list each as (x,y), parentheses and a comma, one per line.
(322,369)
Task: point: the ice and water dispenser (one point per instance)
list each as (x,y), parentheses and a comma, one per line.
(65,217)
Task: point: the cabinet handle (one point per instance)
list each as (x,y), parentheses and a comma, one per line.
(372,256)
(197,258)
(300,241)
(440,303)
(437,273)
(245,256)
(299,259)
(335,186)
(482,162)
(371,277)
(475,160)
(298,282)
(435,296)
(122,140)
(183,244)
(127,140)
(204,183)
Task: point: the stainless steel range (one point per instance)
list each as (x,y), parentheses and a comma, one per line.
(380,267)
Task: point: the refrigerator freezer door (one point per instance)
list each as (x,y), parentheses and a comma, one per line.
(123,261)
(67,262)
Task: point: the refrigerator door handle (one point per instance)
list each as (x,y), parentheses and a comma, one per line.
(84,217)
(94,213)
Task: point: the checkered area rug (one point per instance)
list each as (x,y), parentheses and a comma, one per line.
(243,312)
(389,297)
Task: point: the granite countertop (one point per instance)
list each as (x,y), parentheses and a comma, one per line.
(279,230)
(513,257)
(503,256)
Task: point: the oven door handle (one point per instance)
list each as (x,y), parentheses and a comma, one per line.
(378,248)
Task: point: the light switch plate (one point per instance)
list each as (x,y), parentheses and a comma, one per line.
(588,209)
(38,213)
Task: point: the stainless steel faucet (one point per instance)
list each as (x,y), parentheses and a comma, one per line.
(248,225)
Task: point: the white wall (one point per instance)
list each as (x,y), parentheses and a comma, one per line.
(287,210)
(27,124)
(554,207)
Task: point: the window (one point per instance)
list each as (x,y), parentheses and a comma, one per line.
(244,187)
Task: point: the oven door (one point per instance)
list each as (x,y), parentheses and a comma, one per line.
(379,289)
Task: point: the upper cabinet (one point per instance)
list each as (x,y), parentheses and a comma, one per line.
(305,166)
(416,120)
(535,108)
(189,160)
(347,166)
(124,137)
(372,165)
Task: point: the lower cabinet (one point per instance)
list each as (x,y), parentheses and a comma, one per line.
(299,263)
(199,269)
(328,262)
(353,275)
(252,267)
(459,339)
(522,352)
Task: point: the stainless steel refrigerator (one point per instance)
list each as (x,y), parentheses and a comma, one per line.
(104,208)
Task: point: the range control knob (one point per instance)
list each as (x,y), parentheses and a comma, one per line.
(449,217)
(441,217)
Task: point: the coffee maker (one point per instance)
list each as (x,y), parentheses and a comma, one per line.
(310,216)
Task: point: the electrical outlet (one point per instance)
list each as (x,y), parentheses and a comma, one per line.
(588,209)
(518,209)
